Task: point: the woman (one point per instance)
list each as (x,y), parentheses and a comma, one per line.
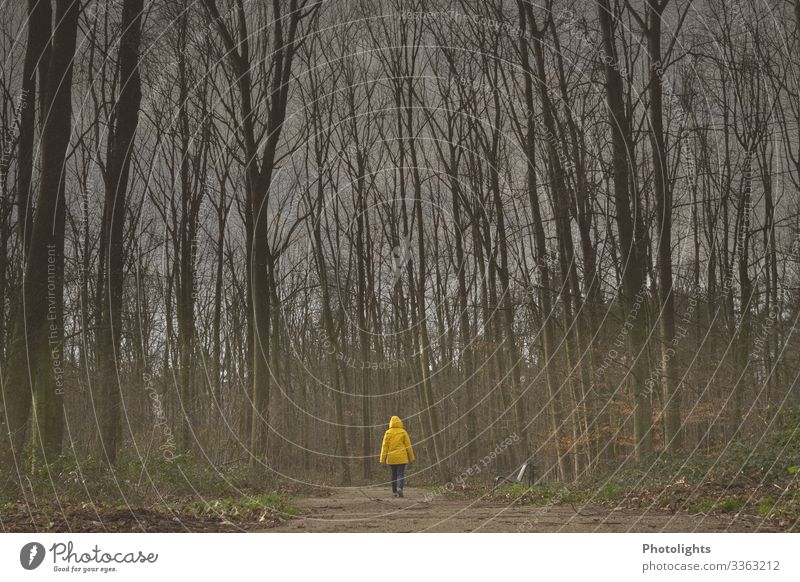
(396,452)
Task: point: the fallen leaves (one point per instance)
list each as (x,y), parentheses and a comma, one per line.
(87,517)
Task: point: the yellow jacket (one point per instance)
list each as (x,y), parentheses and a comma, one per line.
(396,448)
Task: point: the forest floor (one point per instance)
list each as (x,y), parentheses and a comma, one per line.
(375,510)
(369,509)
(747,490)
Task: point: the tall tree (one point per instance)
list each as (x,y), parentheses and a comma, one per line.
(631,244)
(33,370)
(651,24)
(120,151)
(260,162)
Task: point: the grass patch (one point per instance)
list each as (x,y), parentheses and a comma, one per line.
(787,509)
(610,492)
(724,506)
(184,494)
(240,507)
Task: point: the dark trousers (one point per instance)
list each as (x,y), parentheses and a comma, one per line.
(398,477)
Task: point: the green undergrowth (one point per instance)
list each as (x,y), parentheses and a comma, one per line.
(751,478)
(253,508)
(183,485)
(775,500)
(726,505)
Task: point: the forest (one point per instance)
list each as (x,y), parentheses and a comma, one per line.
(237,236)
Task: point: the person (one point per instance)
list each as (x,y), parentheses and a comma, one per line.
(396,451)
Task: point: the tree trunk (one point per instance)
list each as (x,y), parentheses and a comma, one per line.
(39,17)
(555,411)
(633,276)
(34,364)
(120,151)
(663,191)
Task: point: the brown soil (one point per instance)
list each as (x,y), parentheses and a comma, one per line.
(370,509)
(86,518)
(373,509)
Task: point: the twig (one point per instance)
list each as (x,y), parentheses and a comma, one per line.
(370,498)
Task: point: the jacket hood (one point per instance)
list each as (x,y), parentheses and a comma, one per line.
(395,422)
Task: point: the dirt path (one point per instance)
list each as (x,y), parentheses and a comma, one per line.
(369,509)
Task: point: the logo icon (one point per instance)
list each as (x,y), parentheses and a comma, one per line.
(31,555)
